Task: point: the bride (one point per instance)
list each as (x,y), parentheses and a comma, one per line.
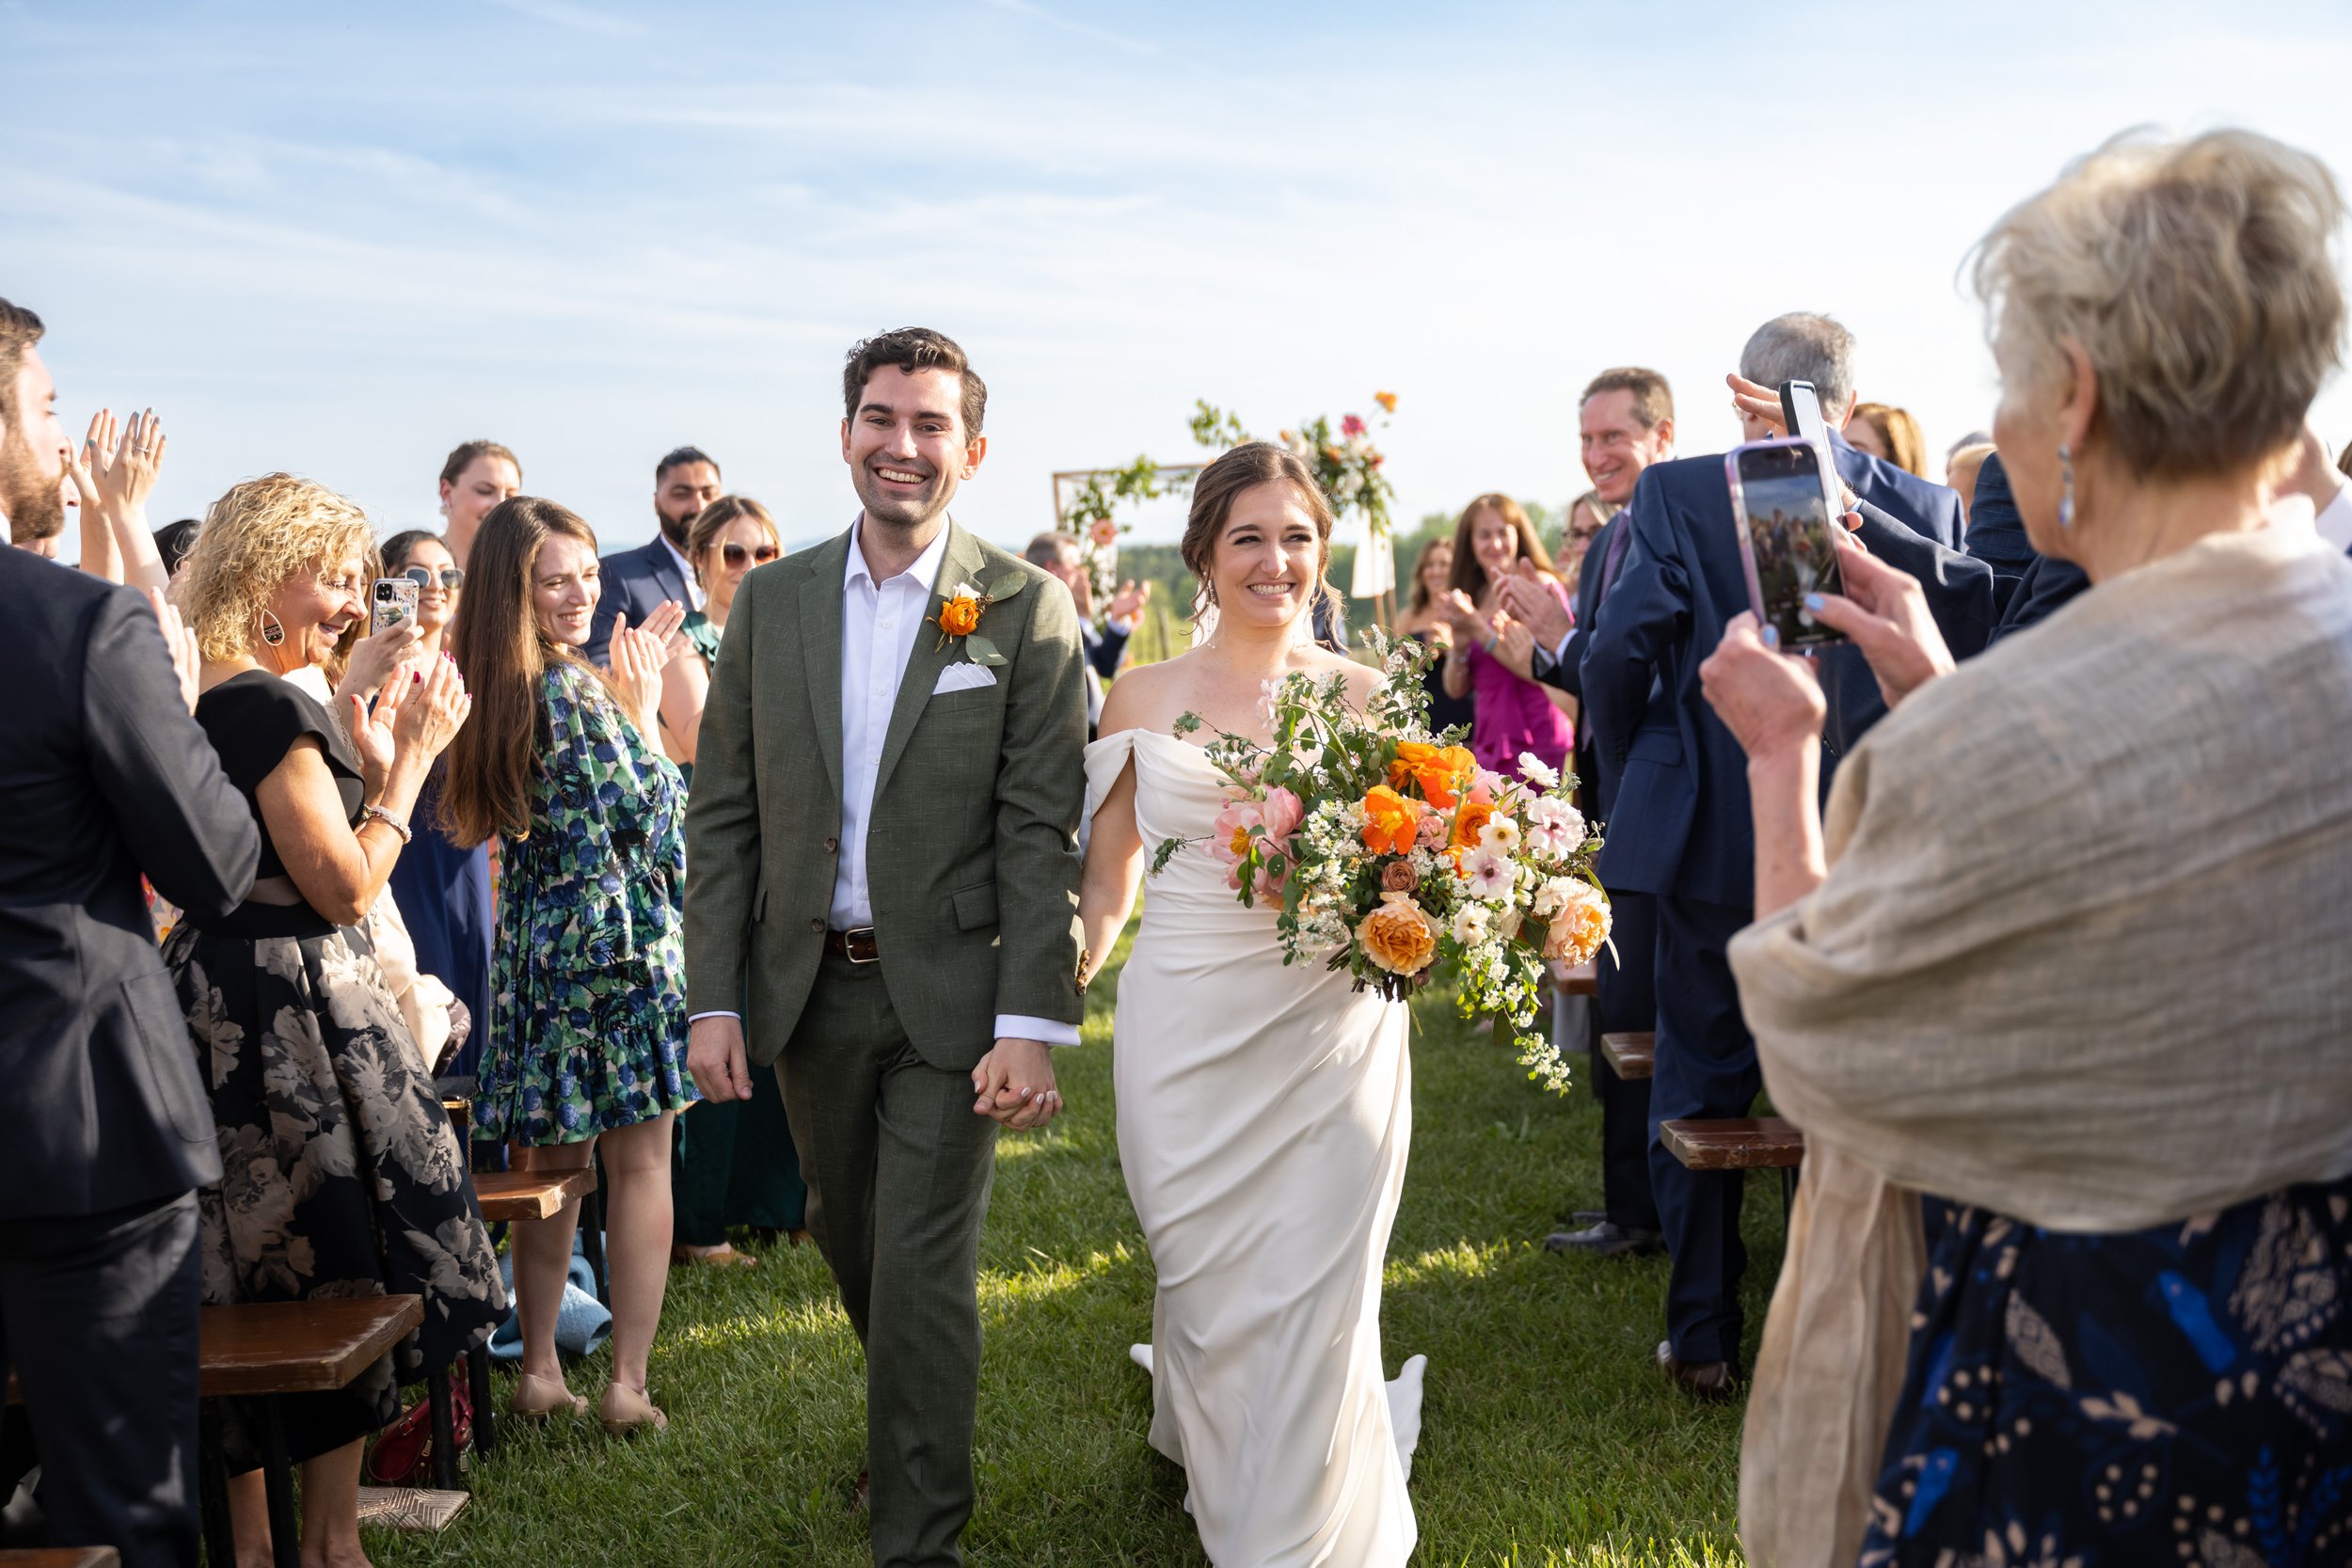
(1263,1112)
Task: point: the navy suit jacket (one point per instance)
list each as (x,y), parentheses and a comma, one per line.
(1674,777)
(103,775)
(636,582)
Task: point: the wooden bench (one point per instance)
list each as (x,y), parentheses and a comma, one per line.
(62,1556)
(1739,1143)
(263,1350)
(530,1194)
(1630,1057)
(1583,980)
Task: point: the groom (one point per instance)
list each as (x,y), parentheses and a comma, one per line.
(881,838)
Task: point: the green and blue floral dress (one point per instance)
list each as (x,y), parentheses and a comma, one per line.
(588,968)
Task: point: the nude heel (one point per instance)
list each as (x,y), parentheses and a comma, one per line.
(625,1410)
(536,1399)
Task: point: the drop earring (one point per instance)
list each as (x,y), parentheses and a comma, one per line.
(2066,501)
(273,631)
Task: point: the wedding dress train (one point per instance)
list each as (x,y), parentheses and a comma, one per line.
(1264,1115)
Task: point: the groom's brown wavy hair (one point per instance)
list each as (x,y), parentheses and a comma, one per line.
(911,349)
(1246,468)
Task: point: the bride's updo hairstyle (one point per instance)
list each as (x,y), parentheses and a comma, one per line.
(1246,468)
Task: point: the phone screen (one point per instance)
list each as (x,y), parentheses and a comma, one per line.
(1784,535)
(394,601)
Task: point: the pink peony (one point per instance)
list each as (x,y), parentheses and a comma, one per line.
(1350,425)
(1230,840)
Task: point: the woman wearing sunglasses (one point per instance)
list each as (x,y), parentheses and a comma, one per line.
(736,1163)
(443,892)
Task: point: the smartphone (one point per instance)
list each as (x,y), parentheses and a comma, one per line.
(1788,539)
(394,602)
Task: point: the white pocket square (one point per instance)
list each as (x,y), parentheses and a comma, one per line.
(963,677)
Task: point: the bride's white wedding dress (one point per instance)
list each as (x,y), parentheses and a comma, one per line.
(1265,1113)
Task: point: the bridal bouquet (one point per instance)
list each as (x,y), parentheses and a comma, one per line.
(1389,848)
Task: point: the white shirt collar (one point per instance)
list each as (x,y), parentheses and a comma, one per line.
(926,568)
(685,569)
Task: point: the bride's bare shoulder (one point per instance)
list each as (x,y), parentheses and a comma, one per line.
(1148,697)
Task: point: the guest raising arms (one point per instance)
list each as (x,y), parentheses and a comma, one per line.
(736,1163)
(586,1045)
(1492,659)
(443,892)
(475,478)
(1426,617)
(340,1174)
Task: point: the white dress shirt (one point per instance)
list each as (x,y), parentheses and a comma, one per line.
(878,625)
(695,594)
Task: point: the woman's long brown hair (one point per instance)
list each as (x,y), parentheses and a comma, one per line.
(1469,575)
(503,654)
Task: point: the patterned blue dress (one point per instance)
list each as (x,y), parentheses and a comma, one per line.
(2181,1395)
(588,970)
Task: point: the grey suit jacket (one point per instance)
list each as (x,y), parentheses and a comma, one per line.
(971,860)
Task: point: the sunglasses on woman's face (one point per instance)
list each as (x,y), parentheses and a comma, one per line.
(737,556)
(452,579)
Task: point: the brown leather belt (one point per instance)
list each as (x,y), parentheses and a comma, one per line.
(858,947)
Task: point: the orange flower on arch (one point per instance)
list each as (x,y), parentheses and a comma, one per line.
(1391,821)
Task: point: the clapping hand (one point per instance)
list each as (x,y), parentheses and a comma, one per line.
(412,723)
(1529,600)
(1462,610)
(1128,603)
(128,476)
(1014,1085)
(639,653)
(376,658)
(1515,647)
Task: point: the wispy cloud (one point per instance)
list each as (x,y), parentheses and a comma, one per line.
(582,19)
(1034,12)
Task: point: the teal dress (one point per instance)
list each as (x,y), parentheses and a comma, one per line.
(736,1163)
(588,966)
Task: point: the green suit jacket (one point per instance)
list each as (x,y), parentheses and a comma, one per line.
(972,858)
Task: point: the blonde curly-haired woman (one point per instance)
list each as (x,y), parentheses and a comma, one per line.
(342,1176)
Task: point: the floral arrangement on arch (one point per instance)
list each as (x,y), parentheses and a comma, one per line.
(1390,849)
(1093,516)
(1345,464)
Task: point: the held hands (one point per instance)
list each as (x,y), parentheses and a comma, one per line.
(715,1057)
(1014,1084)
(1529,600)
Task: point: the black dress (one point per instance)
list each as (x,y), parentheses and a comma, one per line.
(342,1176)
(1445,712)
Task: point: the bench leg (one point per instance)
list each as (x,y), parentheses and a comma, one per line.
(444,1429)
(485,1436)
(211,1488)
(591,1241)
(285,1539)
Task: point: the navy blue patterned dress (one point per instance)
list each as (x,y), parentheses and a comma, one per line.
(2181,1395)
(588,970)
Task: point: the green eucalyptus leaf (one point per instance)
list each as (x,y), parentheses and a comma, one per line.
(979,650)
(1006,587)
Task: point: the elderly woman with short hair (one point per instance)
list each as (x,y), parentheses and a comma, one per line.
(2069,950)
(342,1175)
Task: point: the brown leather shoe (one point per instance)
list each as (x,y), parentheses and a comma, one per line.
(1711,1381)
(862,1495)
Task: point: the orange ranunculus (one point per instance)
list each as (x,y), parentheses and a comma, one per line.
(1398,936)
(1390,823)
(1473,815)
(959,616)
(1387,401)
(1440,772)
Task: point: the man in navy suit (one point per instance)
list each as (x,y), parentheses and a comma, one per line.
(638,582)
(1106,643)
(1624,423)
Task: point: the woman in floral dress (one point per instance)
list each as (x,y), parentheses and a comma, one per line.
(340,1176)
(585,1051)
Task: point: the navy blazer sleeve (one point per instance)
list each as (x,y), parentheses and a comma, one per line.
(1646,615)
(1106,648)
(184,823)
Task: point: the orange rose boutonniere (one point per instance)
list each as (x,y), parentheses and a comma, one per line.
(960,611)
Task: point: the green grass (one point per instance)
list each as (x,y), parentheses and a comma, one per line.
(1548,1438)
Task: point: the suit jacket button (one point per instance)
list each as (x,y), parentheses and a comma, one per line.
(817,924)
(833,846)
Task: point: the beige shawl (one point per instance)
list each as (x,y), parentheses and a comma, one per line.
(2084,957)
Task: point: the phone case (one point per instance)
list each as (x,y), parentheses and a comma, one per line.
(405,596)
(1746,535)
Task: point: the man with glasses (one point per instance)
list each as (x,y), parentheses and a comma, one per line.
(638,582)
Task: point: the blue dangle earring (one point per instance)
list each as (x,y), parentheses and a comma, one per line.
(2066,502)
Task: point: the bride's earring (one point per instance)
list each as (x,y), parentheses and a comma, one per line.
(2066,501)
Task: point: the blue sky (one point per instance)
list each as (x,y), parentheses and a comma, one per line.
(339,239)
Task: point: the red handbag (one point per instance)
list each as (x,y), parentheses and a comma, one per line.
(402,1456)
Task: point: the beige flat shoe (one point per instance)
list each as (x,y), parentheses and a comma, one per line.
(724,1256)
(625,1410)
(536,1399)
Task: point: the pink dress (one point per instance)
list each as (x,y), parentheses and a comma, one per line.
(1512,715)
